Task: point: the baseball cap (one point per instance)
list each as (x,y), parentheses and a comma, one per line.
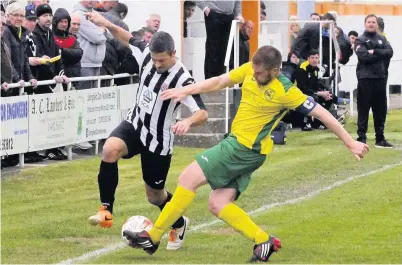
(30,12)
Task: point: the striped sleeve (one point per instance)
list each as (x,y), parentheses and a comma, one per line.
(193,102)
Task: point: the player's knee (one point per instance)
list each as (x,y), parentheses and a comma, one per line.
(112,150)
(155,197)
(214,206)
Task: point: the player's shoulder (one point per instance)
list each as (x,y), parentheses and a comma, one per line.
(283,83)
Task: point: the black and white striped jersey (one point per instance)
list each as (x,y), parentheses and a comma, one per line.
(151,116)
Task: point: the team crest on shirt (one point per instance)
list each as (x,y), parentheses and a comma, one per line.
(164,87)
(380,42)
(269,94)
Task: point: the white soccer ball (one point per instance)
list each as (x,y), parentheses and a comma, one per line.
(135,224)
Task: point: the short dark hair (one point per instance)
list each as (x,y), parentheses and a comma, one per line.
(264,13)
(189,3)
(262,5)
(369,16)
(353,33)
(328,16)
(120,8)
(268,56)
(162,42)
(381,25)
(315,14)
(313,52)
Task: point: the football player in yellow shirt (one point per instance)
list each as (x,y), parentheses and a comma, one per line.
(266,97)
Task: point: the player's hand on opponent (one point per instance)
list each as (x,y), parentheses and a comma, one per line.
(177,94)
(181,127)
(358,149)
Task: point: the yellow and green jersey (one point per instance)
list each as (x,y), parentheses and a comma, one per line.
(262,107)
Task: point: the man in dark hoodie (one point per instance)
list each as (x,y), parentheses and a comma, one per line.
(71,52)
(47,49)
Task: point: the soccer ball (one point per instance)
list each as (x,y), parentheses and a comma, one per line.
(135,224)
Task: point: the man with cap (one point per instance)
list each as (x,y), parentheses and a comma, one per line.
(46,48)
(29,24)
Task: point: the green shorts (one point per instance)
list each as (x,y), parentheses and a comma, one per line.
(229,164)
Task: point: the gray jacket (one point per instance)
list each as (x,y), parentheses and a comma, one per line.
(222,7)
(92,40)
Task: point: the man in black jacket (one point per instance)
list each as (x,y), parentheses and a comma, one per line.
(15,38)
(381,27)
(71,52)
(309,39)
(372,50)
(46,49)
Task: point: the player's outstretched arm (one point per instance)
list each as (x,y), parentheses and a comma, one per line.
(120,34)
(358,149)
(206,86)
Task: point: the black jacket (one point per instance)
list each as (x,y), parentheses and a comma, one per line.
(309,38)
(307,80)
(46,45)
(71,52)
(345,47)
(6,67)
(372,66)
(19,57)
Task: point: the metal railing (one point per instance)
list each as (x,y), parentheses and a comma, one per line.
(70,87)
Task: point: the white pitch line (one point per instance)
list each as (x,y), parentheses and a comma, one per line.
(115,247)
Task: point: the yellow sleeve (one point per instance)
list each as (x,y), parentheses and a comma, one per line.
(293,98)
(238,75)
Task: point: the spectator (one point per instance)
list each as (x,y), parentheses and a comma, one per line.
(189,9)
(6,63)
(92,41)
(294,29)
(142,37)
(75,25)
(29,24)
(381,27)
(71,52)
(244,46)
(14,37)
(263,16)
(344,45)
(30,18)
(117,14)
(154,22)
(47,49)
(315,17)
(309,38)
(262,5)
(105,5)
(352,38)
(372,49)
(6,78)
(218,21)
(289,67)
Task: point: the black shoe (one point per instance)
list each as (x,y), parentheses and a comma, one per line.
(383,144)
(55,154)
(263,251)
(141,240)
(362,140)
(307,128)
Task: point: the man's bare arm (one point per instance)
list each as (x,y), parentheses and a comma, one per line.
(120,34)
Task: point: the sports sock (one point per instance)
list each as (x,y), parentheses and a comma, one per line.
(241,222)
(179,222)
(108,179)
(181,200)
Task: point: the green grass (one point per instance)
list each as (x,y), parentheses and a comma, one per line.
(45,211)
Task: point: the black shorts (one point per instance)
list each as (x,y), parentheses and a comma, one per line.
(155,167)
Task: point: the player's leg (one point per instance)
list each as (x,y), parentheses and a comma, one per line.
(115,147)
(155,169)
(191,178)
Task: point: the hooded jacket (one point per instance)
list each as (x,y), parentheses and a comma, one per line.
(19,57)
(71,52)
(92,40)
(345,46)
